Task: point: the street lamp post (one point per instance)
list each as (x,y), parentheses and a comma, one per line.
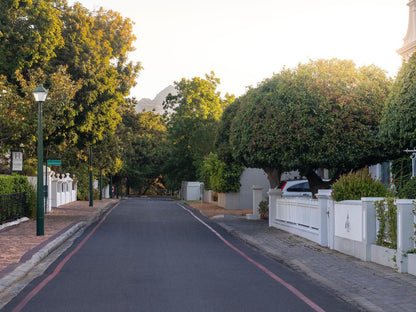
(40,94)
(91,204)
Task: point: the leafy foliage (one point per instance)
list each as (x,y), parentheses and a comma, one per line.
(82,58)
(19,111)
(145,150)
(95,50)
(398,125)
(222,143)
(29,36)
(354,185)
(192,125)
(408,189)
(323,114)
(386,211)
(17,184)
(264,209)
(256,137)
(219,176)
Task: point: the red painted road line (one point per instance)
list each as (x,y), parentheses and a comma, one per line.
(38,288)
(291,288)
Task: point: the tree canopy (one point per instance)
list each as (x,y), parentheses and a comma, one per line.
(95,50)
(398,125)
(81,57)
(30,33)
(323,114)
(192,125)
(146,150)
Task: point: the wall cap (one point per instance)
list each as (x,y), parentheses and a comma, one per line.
(274,192)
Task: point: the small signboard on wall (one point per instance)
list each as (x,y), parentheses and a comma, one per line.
(17,161)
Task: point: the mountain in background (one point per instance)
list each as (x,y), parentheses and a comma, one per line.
(157,103)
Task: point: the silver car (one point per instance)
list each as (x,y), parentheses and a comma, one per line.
(296,188)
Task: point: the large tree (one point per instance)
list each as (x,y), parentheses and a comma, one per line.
(18,110)
(95,50)
(398,125)
(333,113)
(81,57)
(256,138)
(145,149)
(323,114)
(193,120)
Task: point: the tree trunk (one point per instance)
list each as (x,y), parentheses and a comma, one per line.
(273,175)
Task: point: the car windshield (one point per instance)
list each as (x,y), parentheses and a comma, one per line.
(299,187)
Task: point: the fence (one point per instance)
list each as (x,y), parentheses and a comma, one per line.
(62,189)
(12,206)
(348,226)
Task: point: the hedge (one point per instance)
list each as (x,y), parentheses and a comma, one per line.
(10,184)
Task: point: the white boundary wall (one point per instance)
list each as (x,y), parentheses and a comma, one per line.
(348,226)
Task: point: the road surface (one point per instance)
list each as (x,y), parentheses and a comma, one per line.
(157,255)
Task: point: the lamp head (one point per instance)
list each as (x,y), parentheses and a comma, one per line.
(40,93)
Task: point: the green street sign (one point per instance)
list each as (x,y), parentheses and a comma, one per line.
(53,162)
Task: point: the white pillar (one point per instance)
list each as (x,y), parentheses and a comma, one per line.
(47,180)
(74,191)
(107,191)
(70,181)
(54,191)
(59,193)
(208,196)
(405,232)
(257,198)
(274,194)
(326,218)
(370,225)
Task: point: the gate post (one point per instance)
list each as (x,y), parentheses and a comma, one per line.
(274,194)
(405,232)
(257,198)
(326,218)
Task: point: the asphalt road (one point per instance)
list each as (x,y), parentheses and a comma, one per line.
(153,255)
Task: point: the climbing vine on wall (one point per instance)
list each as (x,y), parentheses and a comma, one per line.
(386,211)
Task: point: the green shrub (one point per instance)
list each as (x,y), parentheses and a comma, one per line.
(84,194)
(10,184)
(13,184)
(264,209)
(31,202)
(355,185)
(219,176)
(6,184)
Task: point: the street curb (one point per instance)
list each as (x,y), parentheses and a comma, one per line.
(23,269)
(9,224)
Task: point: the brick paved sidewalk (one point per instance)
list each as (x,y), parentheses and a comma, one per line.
(370,286)
(19,242)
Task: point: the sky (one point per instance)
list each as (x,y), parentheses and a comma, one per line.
(247,41)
